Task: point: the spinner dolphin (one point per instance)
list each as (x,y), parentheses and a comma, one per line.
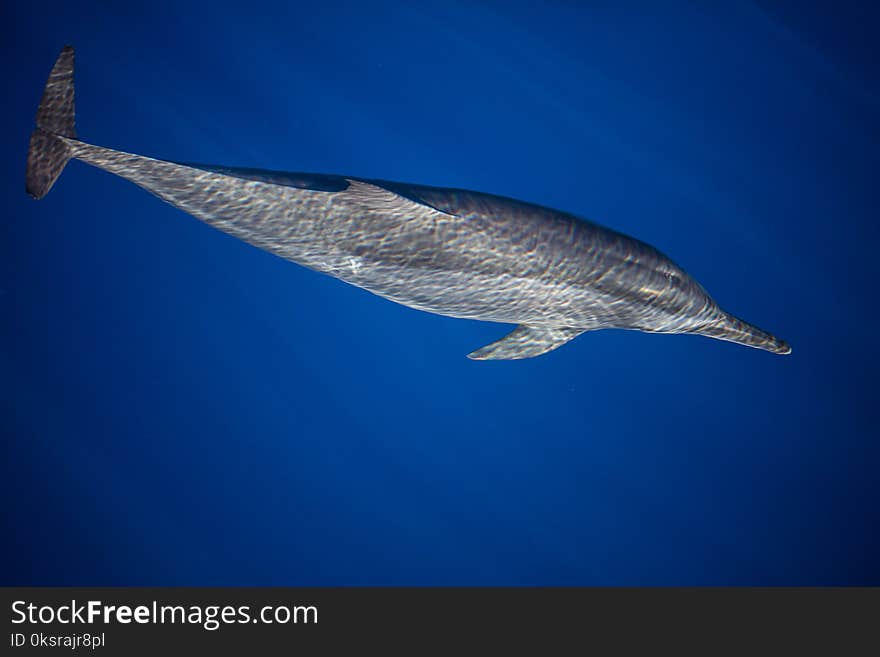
(448,251)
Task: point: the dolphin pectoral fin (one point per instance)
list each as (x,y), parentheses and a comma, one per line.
(525,342)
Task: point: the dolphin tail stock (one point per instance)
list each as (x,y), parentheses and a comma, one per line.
(736,330)
(49,152)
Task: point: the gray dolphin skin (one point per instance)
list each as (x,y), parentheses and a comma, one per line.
(447,251)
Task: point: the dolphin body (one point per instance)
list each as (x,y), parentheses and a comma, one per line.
(447,251)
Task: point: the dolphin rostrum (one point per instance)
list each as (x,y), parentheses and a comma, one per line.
(447,251)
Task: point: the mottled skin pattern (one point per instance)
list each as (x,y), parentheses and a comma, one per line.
(452,252)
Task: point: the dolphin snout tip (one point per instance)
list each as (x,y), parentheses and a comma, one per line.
(783,349)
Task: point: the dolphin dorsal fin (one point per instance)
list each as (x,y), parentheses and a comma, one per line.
(526,342)
(374,196)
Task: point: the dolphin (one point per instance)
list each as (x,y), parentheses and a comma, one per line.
(447,251)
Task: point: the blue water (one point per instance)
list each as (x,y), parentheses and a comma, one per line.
(181,408)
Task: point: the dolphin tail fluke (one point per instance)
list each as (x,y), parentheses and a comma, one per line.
(48,154)
(736,330)
(526,342)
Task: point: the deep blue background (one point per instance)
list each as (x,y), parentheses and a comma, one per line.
(181,408)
